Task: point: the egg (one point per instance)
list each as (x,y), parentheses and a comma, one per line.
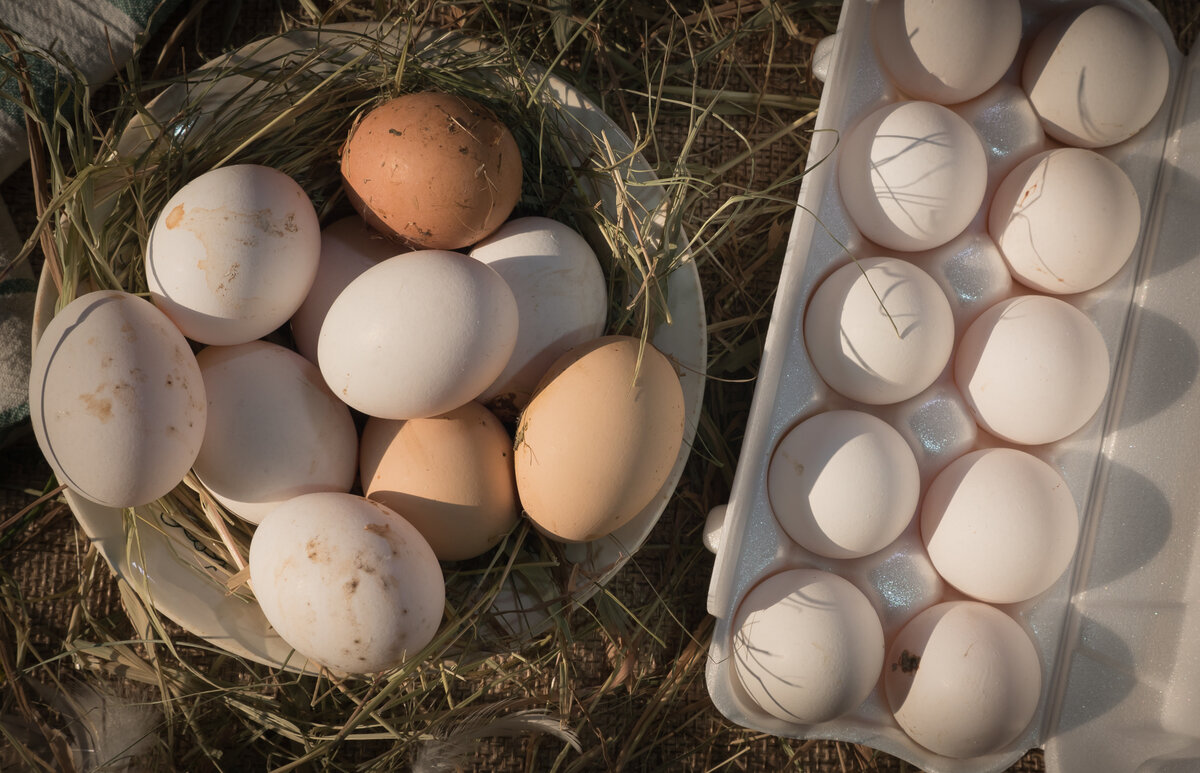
(912,175)
(807,646)
(346,582)
(274,430)
(116,399)
(599,438)
(562,298)
(418,334)
(1065,220)
(233,253)
(1033,369)
(450,476)
(1000,525)
(843,484)
(348,248)
(946,50)
(1096,76)
(434,170)
(873,352)
(962,679)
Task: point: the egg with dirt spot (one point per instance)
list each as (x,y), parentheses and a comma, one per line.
(347,582)
(116,399)
(233,254)
(433,170)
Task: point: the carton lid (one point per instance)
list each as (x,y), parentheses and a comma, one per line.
(1128,694)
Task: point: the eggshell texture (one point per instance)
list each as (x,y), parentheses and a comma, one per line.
(962,679)
(348,248)
(1066,220)
(347,582)
(595,444)
(947,51)
(450,476)
(233,254)
(561,296)
(1000,525)
(912,175)
(843,484)
(116,399)
(1096,76)
(434,170)
(275,431)
(807,646)
(873,353)
(1033,369)
(418,335)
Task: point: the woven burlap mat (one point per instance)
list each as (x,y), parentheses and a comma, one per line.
(48,561)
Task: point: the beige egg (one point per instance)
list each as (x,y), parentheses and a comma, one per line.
(450,476)
(599,438)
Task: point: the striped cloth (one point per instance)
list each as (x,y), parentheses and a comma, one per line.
(96,37)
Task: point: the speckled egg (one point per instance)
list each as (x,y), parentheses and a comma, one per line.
(346,581)
(116,399)
(433,170)
(233,254)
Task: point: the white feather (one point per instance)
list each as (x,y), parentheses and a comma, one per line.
(447,754)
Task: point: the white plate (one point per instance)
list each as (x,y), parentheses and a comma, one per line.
(162,563)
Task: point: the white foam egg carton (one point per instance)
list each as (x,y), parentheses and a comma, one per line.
(1118,635)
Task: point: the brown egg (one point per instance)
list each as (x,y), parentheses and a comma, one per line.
(433,170)
(595,445)
(450,476)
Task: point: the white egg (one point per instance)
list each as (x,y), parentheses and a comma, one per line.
(946,51)
(963,679)
(912,175)
(1033,369)
(348,248)
(275,431)
(879,353)
(561,296)
(418,335)
(1000,525)
(1096,76)
(1066,220)
(347,582)
(843,484)
(116,399)
(807,646)
(233,253)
